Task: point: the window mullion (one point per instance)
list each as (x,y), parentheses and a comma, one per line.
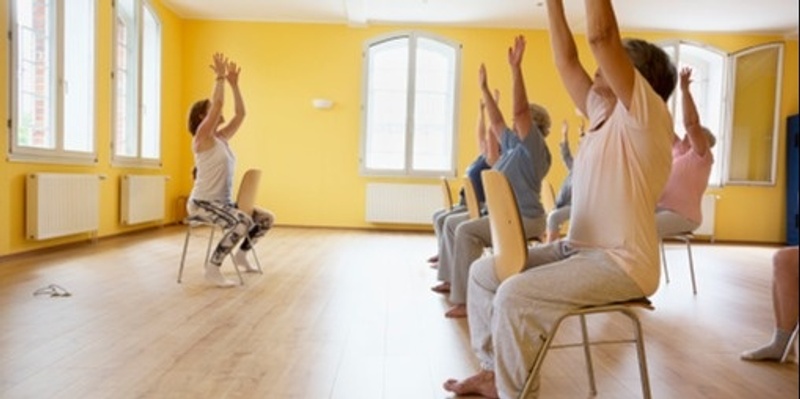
(59,81)
(410,103)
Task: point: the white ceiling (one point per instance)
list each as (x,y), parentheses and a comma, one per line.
(745,16)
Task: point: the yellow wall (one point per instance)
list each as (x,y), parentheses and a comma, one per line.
(12,174)
(309,156)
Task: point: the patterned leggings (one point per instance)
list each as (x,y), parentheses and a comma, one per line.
(234,222)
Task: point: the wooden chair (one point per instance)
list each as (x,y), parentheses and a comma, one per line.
(473,207)
(245,201)
(508,237)
(511,251)
(687,239)
(447,195)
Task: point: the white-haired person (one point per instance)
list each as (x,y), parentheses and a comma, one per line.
(524,160)
(212,194)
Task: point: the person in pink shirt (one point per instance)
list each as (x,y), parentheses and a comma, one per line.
(678,210)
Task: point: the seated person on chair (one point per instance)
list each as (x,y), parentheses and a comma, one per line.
(524,160)
(560,214)
(784,305)
(489,153)
(678,210)
(611,251)
(211,197)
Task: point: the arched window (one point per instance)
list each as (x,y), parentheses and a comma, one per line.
(409,112)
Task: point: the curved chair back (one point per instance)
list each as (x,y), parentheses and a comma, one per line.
(248,188)
(447,194)
(508,237)
(473,207)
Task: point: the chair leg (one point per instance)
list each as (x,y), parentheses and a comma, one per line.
(790,345)
(643,375)
(664,260)
(183,255)
(255,255)
(238,273)
(691,263)
(587,352)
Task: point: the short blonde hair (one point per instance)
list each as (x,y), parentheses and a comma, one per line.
(540,117)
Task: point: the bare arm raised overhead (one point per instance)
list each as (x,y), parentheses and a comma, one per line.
(522,111)
(233,125)
(691,120)
(615,67)
(203,138)
(496,122)
(487,142)
(575,78)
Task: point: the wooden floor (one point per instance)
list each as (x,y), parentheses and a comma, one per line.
(344,315)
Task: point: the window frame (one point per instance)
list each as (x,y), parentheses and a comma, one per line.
(141,8)
(57,90)
(408,171)
(723,158)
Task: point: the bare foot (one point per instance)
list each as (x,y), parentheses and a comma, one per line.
(456,312)
(479,384)
(441,288)
(433,259)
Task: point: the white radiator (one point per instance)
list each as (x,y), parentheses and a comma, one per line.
(708,208)
(61,204)
(402,203)
(142,198)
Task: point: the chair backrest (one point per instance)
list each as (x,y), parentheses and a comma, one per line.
(446,193)
(508,237)
(473,207)
(548,197)
(246,198)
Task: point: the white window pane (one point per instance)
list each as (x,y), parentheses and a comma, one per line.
(79,76)
(151,87)
(387,105)
(127,94)
(34,72)
(433,106)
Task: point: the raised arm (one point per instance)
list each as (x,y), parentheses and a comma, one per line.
(615,66)
(522,111)
(574,77)
(480,128)
(208,127)
(238,103)
(691,120)
(496,122)
(492,145)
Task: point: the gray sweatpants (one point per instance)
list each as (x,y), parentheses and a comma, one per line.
(439,218)
(464,242)
(557,217)
(508,321)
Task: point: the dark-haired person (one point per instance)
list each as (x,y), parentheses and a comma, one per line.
(212,197)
